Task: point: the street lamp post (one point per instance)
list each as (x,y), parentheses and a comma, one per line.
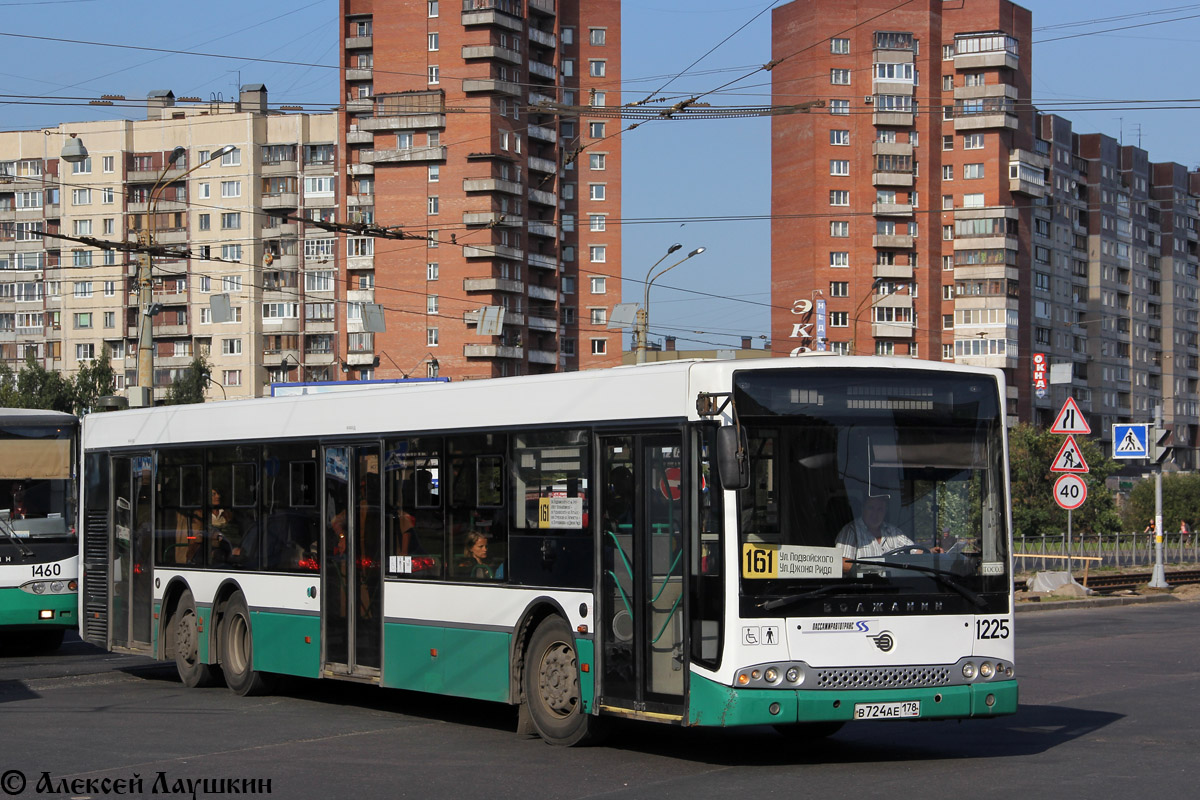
(142,394)
(643,314)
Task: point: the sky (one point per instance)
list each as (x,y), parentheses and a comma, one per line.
(696,182)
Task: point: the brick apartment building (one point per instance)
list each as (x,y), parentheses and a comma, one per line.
(454,132)
(64,301)
(938,215)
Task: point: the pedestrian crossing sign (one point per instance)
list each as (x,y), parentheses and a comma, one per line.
(1131,440)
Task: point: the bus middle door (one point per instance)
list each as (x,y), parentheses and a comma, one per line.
(642,660)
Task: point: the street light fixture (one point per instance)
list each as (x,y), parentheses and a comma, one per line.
(142,393)
(73,151)
(643,314)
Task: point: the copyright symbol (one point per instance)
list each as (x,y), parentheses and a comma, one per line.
(12,782)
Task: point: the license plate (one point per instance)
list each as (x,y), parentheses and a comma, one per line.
(908,708)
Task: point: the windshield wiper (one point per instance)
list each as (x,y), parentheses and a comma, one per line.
(7,532)
(780,602)
(940,575)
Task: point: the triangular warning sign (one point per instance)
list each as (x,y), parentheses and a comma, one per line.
(1070,419)
(1069,458)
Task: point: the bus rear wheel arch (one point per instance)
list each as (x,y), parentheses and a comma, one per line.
(550,684)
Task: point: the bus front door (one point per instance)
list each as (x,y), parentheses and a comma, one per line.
(641,628)
(351,564)
(131,550)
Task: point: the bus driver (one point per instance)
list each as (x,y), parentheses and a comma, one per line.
(870,535)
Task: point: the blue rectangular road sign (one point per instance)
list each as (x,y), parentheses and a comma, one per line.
(1130,440)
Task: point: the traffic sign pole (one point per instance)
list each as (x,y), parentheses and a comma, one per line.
(1159,579)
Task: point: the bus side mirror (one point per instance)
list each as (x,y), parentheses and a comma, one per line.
(733,458)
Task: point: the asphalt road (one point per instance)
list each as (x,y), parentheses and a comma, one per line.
(1107,711)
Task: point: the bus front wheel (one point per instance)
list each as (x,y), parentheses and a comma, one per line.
(551,686)
(237,650)
(185,630)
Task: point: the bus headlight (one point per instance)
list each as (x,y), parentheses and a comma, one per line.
(985,670)
(771,675)
(793,675)
(39,588)
(57,587)
(968,670)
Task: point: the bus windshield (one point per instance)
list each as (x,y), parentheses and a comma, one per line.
(870,482)
(35,481)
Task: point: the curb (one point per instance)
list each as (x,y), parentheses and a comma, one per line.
(1096,602)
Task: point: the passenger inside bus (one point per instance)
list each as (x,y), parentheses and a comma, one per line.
(475,564)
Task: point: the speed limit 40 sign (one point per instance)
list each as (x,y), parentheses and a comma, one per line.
(1070,491)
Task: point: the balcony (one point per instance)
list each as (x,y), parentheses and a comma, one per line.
(491,85)
(544,6)
(492,351)
(971,115)
(892,209)
(396,122)
(543,38)
(543,133)
(400,156)
(283,229)
(359,74)
(542,228)
(491,185)
(901,118)
(549,324)
(358,42)
(281,200)
(541,70)
(360,105)
(891,149)
(361,169)
(991,58)
(510,318)
(492,218)
(543,261)
(493,251)
(543,165)
(544,198)
(493,285)
(543,357)
(544,293)
(892,178)
(491,16)
(360,137)
(538,99)
(491,51)
(892,330)
(152,175)
(897,271)
(894,241)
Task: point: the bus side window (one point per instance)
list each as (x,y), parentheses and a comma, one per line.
(413,511)
(478,530)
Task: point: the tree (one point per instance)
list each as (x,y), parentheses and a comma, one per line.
(93,381)
(1031,452)
(37,387)
(189,387)
(1180,500)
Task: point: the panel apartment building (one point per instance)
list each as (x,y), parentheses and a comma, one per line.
(938,215)
(466,128)
(63,301)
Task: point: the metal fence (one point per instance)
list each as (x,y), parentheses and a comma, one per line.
(1114,550)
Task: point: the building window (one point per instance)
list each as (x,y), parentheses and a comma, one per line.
(361,246)
(839,319)
(839,288)
(598,316)
(839,77)
(839,229)
(947,322)
(599,285)
(433,8)
(947,352)
(947,83)
(231,188)
(231,377)
(597,68)
(596,191)
(596,130)
(947,232)
(431,304)
(948,142)
(839,259)
(972,171)
(596,223)
(83,320)
(839,137)
(839,166)
(597,161)
(973,200)
(434,72)
(431,337)
(947,172)
(599,347)
(973,141)
(839,197)
(231,347)
(433,42)
(597,37)
(839,107)
(598,253)
(431,271)
(885,348)
(231,220)
(232,159)
(839,46)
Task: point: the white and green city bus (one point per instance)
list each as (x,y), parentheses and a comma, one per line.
(654,542)
(39,552)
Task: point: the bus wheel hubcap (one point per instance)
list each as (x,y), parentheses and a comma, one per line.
(557,679)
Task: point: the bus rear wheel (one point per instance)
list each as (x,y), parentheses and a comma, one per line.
(237,650)
(186,636)
(551,685)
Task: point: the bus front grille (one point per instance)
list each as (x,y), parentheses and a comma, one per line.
(882,677)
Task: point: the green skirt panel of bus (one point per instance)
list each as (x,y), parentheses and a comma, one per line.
(20,609)
(711,704)
(457,661)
